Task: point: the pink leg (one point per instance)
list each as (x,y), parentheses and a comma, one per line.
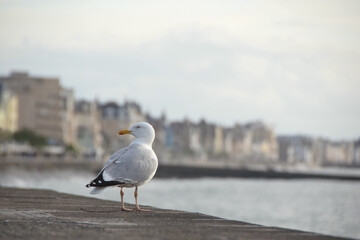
(123,208)
(136,201)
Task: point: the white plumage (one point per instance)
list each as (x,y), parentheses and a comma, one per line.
(131,166)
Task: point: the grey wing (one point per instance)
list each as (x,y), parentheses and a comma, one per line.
(117,155)
(135,165)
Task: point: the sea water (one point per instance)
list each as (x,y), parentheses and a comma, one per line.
(322,206)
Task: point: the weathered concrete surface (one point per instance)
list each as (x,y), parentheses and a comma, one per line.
(41,214)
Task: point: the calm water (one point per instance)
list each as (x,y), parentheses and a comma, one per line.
(329,207)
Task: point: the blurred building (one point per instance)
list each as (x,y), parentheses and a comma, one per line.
(228,141)
(211,139)
(180,138)
(9,109)
(42,105)
(68,116)
(185,140)
(339,153)
(88,128)
(357,152)
(296,149)
(321,152)
(161,127)
(207,141)
(115,117)
(38,103)
(254,141)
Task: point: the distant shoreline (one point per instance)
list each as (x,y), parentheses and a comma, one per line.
(182,171)
(167,171)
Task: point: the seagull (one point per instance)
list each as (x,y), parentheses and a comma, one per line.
(131,166)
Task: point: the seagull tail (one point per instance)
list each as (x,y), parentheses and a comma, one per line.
(97,190)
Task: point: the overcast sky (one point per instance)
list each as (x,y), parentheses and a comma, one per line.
(293,64)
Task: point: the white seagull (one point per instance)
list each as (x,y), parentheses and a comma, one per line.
(131,166)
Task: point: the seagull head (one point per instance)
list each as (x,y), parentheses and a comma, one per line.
(142,131)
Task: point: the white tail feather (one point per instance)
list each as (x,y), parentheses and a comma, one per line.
(97,190)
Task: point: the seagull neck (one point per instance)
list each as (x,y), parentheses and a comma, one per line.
(143,141)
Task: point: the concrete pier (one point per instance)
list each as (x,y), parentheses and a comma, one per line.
(42,214)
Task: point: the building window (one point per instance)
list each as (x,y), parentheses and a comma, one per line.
(43,112)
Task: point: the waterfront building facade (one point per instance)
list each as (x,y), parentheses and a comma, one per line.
(88,128)
(68,116)
(39,103)
(115,117)
(43,105)
(318,151)
(9,113)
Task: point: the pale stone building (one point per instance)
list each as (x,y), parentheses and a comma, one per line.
(194,140)
(9,113)
(160,143)
(68,116)
(110,126)
(357,152)
(241,143)
(297,149)
(211,139)
(218,140)
(206,141)
(88,128)
(321,152)
(228,146)
(254,141)
(115,117)
(339,153)
(39,103)
(181,138)
(263,140)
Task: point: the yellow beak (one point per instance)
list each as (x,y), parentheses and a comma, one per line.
(124,131)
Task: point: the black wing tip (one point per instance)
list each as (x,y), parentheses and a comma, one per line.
(100,182)
(104,184)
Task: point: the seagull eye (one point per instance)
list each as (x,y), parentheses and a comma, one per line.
(137,126)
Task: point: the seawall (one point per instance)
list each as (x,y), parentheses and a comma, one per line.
(178,171)
(168,171)
(42,214)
